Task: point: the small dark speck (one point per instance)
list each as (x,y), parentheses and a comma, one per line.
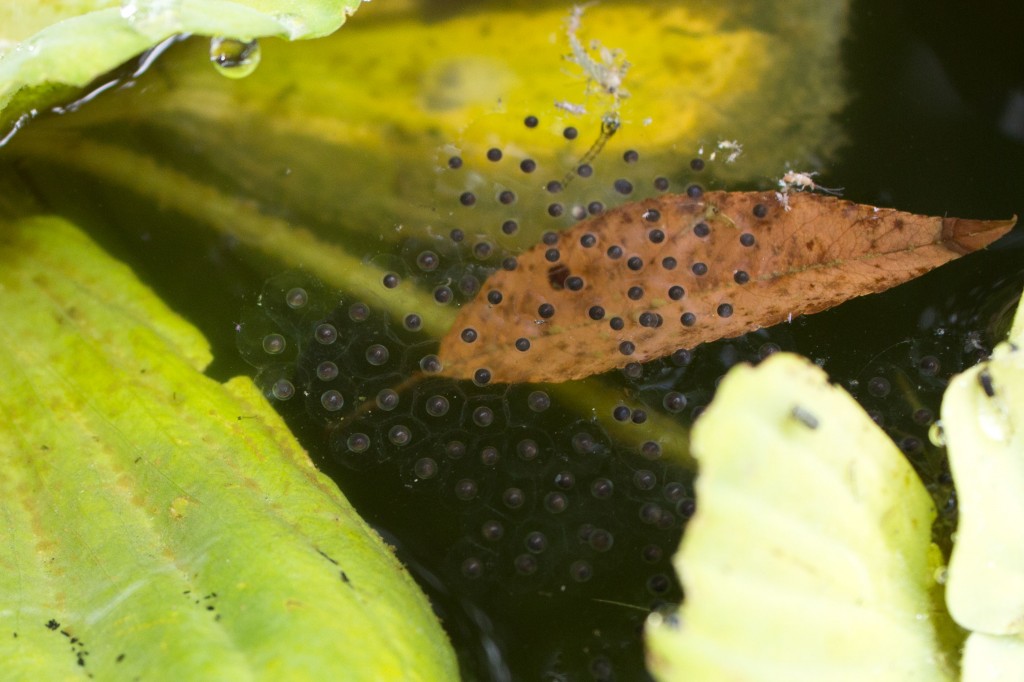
(804,417)
(120,657)
(210,607)
(327,556)
(52,624)
(985,379)
(345,579)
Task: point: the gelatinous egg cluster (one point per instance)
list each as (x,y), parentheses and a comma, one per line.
(524,495)
(542,525)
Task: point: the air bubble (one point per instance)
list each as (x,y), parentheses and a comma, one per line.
(332,400)
(274,344)
(296,298)
(234,58)
(325,334)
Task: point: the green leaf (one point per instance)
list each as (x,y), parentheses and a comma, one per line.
(983,423)
(47,49)
(809,557)
(159,522)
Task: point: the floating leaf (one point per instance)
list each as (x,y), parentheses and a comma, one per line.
(158,523)
(642,280)
(809,556)
(982,416)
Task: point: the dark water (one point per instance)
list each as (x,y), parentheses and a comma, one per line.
(542,534)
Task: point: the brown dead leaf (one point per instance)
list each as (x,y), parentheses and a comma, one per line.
(645,279)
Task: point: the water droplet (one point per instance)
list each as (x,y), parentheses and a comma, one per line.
(234,58)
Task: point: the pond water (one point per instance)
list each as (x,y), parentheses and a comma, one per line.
(540,519)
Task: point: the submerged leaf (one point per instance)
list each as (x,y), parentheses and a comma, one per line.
(647,278)
(157,522)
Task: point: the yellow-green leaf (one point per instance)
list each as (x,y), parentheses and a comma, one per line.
(156,523)
(809,556)
(982,418)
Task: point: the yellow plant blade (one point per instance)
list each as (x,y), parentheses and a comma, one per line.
(156,523)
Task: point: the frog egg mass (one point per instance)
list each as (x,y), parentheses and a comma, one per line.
(541,520)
